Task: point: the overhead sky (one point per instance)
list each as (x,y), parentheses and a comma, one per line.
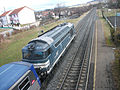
(37,4)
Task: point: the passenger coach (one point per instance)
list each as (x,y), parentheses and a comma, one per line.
(44,52)
(19,76)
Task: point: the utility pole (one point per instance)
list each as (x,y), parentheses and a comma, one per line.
(5,16)
(4,9)
(115,14)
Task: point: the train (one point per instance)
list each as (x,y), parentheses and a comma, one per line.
(39,57)
(45,50)
(19,76)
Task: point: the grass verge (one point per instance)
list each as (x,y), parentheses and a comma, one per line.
(2,30)
(106,29)
(109,12)
(116,69)
(10,49)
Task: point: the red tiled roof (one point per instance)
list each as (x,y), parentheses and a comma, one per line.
(16,11)
(4,14)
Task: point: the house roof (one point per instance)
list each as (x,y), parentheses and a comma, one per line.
(16,11)
(5,13)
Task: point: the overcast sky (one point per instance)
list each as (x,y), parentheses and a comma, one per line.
(36,4)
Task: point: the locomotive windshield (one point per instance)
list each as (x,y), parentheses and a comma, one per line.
(34,55)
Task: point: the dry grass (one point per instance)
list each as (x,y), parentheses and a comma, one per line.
(116,69)
(109,13)
(2,30)
(106,29)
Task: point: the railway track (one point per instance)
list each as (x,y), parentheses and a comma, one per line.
(84,72)
(55,78)
(77,73)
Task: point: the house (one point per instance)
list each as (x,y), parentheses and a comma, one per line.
(4,18)
(23,15)
(41,15)
(47,14)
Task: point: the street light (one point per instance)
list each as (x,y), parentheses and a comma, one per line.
(115,15)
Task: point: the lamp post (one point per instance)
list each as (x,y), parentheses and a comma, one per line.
(5,16)
(116,16)
(115,20)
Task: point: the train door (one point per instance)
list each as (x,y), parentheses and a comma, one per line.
(27,82)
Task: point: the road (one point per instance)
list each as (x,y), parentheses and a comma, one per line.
(98,75)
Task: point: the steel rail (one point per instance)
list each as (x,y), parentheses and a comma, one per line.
(85,65)
(82,85)
(73,61)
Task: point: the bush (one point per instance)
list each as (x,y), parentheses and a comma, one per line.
(117,37)
(112,31)
(1,38)
(117,54)
(16,31)
(116,68)
(32,26)
(8,34)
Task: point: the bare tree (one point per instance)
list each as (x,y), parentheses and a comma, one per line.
(118,3)
(59,7)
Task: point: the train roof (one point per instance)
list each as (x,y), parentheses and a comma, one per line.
(52,34)
(10,73)
(46,39)
(55,32)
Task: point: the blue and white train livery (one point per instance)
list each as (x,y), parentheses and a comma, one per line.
(19,76)
(44,52)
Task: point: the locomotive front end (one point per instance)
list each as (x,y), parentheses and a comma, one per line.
(37,52)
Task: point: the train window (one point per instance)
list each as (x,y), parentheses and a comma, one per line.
(47,53)
(26,55)
(39,55)
(34,55)
(25,84)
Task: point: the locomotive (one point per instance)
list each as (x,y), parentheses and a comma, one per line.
(45,50)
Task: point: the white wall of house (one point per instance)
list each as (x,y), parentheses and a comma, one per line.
(26,15)
(6,19)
